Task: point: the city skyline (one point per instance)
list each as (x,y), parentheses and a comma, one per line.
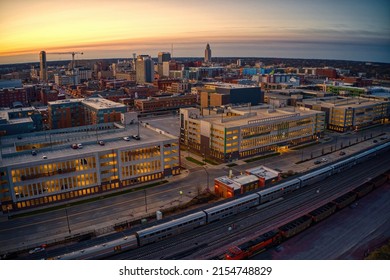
(347,30)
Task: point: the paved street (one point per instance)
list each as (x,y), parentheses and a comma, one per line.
(101,215)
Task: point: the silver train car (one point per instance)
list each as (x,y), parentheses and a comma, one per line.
(102,250)
(279,190)
(231,208)
(174,227)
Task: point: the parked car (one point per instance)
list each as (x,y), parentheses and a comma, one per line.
(317,162)
(342,153)
(79,146)
(34,153)
(44,157)
(324,159)
(136,137)
(100,142)
(126,138)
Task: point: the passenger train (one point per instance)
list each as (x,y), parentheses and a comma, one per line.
(174,227)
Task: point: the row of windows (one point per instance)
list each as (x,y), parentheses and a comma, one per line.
(232,132)
(245,144)
(50,186)
(56,198)
(107,156)
(141,168)
(172,165)
(137,154)
(110,178)
(45,170)
(256,151)
(145,178)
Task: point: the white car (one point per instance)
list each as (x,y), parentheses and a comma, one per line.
(324,159)
(79,146)
(36,250)
(126,138)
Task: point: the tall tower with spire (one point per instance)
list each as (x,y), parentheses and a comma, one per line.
(207,53)
(42,66)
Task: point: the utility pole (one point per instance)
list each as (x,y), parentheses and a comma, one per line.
(67,219)
(146,203)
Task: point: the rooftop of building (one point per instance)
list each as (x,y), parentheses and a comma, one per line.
(227,85)
(15,110)
(96,103)
(245,179)
(342,102)
(263,172)
(229,182)
(255,114)
(55,144)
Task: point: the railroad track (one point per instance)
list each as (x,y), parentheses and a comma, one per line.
(217,237)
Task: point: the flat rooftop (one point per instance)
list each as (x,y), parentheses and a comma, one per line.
(102,103)
(245,179)
(338,102)
(96,103)
(227,85)
(258,114)
(263,172)
(229,182)
(61,143)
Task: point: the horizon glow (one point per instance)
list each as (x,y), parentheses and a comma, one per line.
(344,29)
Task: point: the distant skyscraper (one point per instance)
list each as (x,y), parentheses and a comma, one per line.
(162,57)
(43,66)
(207,53)
(144,68)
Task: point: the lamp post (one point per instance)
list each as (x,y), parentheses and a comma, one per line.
(146,202)
(181,195)
(208,175)
(67,219)
(8,208)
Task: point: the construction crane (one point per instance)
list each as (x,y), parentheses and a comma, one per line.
(72,65)
(72,53)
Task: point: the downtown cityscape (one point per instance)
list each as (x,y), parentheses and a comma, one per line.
(201,131)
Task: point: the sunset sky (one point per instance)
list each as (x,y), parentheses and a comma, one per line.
(342,29)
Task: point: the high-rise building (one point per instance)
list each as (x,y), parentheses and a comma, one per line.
(218,94)
(43,66)
(162,57)
(207,53)
(144,69)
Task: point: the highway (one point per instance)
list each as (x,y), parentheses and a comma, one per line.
(214,239)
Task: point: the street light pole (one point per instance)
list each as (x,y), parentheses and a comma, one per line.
(208,175)
(146,202)
(67,219)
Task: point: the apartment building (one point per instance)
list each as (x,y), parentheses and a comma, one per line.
(78,112)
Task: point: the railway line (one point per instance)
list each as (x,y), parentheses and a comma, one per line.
(249,224)
(208,219)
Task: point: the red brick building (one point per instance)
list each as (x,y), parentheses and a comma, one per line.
(9,96)
(165,103)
